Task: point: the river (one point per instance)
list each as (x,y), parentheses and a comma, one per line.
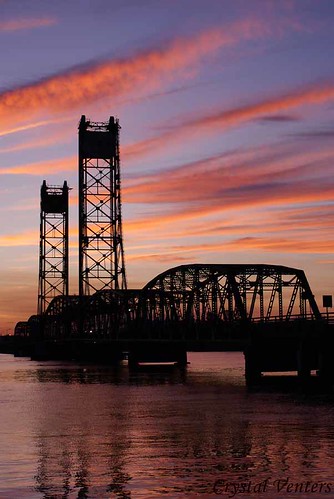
(86,431)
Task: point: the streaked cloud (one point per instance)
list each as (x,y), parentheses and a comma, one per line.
(27,238)
(277,198)
(327,133)
(23,128)
(214,122)
(311,95)
(228,182)
(42,167)
(142,71)
(179,253)
(279,118)
(26,23)
(31,125)
(196,193)
(32,238)
(162,257)
(282,245)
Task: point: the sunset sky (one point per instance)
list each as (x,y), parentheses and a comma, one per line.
(227,116)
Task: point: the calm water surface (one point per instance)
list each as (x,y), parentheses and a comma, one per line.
(83,431)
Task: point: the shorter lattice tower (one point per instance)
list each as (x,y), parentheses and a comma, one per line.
(101,254)
(53,255)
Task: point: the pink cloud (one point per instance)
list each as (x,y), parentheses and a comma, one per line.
(143,71)
(214,122)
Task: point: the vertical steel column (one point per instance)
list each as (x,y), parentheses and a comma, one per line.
(53,253)
(261,297)
(230,297)
(101,255)
(280,296)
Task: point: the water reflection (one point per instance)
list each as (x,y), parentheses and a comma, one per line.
(67,472)
(82,449)
(102,433)
(117,375)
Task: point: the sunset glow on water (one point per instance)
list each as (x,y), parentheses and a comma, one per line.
(72,430)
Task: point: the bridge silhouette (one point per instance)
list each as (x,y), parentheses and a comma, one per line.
(268,311)
(210,301)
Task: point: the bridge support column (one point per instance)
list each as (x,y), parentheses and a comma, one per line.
(325,361)
(303,361)
(252,365)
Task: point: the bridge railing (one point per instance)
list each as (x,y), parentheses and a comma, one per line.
(328,317)
(296,317)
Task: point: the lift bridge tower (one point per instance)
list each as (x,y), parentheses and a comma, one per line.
(101,255)
(53,254)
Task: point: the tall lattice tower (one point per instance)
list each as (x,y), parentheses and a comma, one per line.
(53,254)
(101,255)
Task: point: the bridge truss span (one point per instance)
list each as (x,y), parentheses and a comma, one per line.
(234,292)
(187,302)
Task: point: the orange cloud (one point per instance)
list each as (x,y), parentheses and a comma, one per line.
(279,245)
(42,167)
(26,23)
(248,179)
(249,195)
(28,238)
(261,223)
(282,245)
(31,238)
(267,199)
(287,231)
(114,78)
(162,257)
(18,299)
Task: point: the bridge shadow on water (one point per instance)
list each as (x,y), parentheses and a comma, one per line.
(69,373)
(311,390)
(98,374)
(224,372)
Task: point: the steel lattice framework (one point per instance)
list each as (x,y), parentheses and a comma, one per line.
(53,255)
(234,292)
(213,299)
(61,319)
(101,254)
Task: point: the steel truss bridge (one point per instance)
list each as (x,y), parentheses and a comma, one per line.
(189,302)
(268,311)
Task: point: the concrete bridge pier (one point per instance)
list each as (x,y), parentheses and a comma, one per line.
(280,353)
(326,364)
(304,361)
(252,365)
